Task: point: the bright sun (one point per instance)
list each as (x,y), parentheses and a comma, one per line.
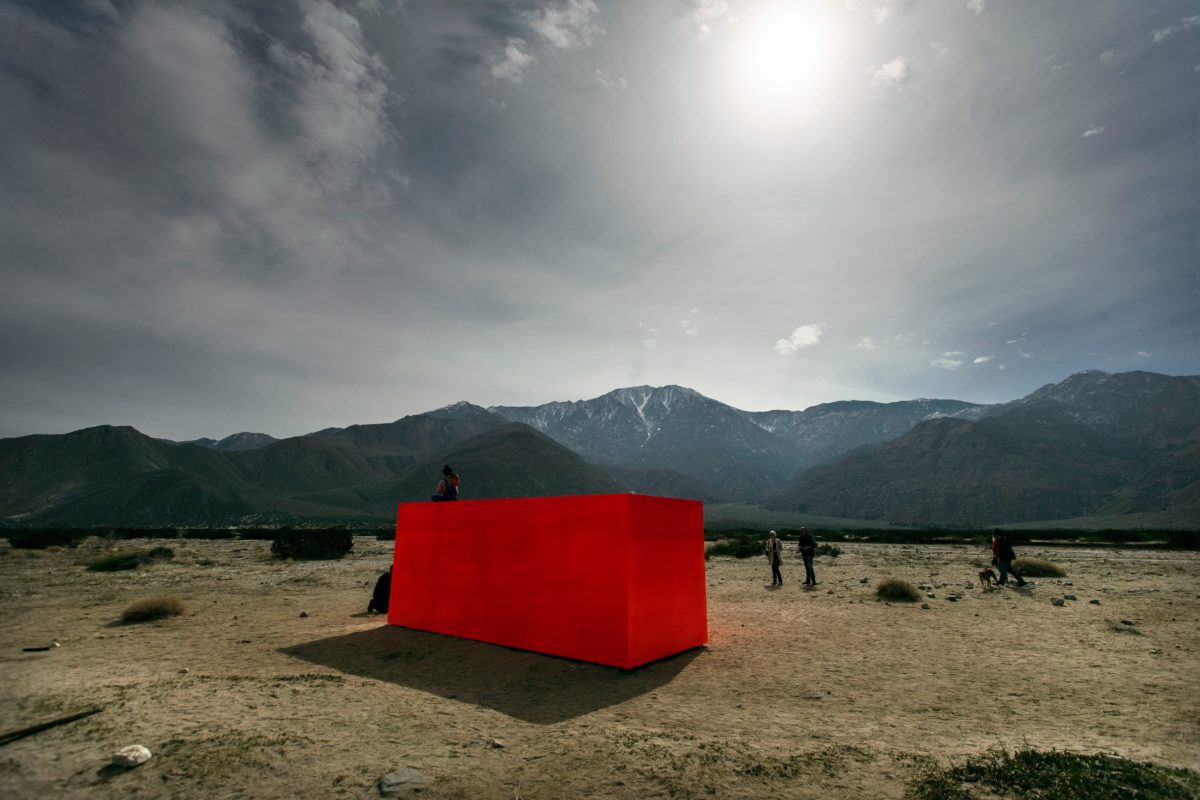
(787,51)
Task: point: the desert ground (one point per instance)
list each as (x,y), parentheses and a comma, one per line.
(805,694)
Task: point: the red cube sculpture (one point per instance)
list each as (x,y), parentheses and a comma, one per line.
(613,579)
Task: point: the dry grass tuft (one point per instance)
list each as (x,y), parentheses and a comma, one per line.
(1038,568)
(898,590)
(160,606)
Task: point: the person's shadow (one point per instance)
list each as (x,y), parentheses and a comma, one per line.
(528,686)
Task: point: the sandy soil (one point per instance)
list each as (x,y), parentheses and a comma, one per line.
(823,693)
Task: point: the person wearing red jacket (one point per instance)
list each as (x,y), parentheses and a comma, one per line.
(1003,556)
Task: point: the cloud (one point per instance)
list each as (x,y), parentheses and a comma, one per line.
(566,24)
(939,48)
(982,360)
(1142,354)
(606,81)
(890,75)
(1160,35)
(512,66)
(1023,354)
(946,363)
(1094,130)
(1109,58)
(802,337)
(978,6)
(705,14)
(688,327)
(343,93)
(650,338)
(866,343)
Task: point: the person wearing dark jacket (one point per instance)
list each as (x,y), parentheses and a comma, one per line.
(447,488)
(382,594)
(1003,556)
(808,551)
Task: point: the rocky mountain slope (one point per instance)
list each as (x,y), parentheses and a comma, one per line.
(1094,443)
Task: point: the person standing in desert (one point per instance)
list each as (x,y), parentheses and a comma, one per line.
(807,546)
(775,557)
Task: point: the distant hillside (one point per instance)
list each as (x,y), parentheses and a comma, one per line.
(512,460)
(668,428)
(1095,443)
(824,432)
(1094,446)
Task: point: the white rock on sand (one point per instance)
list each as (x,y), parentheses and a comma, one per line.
(132,756)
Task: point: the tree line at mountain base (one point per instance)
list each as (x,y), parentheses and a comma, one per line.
(41,538)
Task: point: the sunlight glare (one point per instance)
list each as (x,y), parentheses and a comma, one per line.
(787,52)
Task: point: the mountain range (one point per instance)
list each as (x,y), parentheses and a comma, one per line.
(1095,443)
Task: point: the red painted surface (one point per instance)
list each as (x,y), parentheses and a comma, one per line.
(614,579)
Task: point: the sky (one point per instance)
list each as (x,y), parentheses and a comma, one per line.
(220,216)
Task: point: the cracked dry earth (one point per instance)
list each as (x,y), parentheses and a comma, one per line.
(819,693)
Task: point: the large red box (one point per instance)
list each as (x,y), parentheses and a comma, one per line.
(614,579)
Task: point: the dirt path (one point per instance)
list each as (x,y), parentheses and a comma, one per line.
(824,693)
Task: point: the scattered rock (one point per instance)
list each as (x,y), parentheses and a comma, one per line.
(1058,601)
(1155,651)
(1094,602)
(863,580)
(184,671)
(953,598)
(303,614)
(931,595)
(1069,597)
(925,605)
(132,756)
(1128,622)
(402,782)
(498,744)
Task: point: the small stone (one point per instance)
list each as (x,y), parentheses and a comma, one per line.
(925,605)
(1058,601)
(402,782)
(498,744)
(184,671)
(931,595)
(55,643)
(953,598)
(1069,597)
(1128,622)
(303,614)
(1155,651)
(1094,602)
(863,580)
(132,756)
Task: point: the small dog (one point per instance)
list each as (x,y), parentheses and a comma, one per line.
(987,577)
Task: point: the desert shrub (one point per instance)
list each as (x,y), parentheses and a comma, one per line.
(896,589)
(1056,776)
(132,560)
(831,550)
(311,544)
(740,545)
(210,533)
(1038,568)
(160,606)
(41,539)
(258,534)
